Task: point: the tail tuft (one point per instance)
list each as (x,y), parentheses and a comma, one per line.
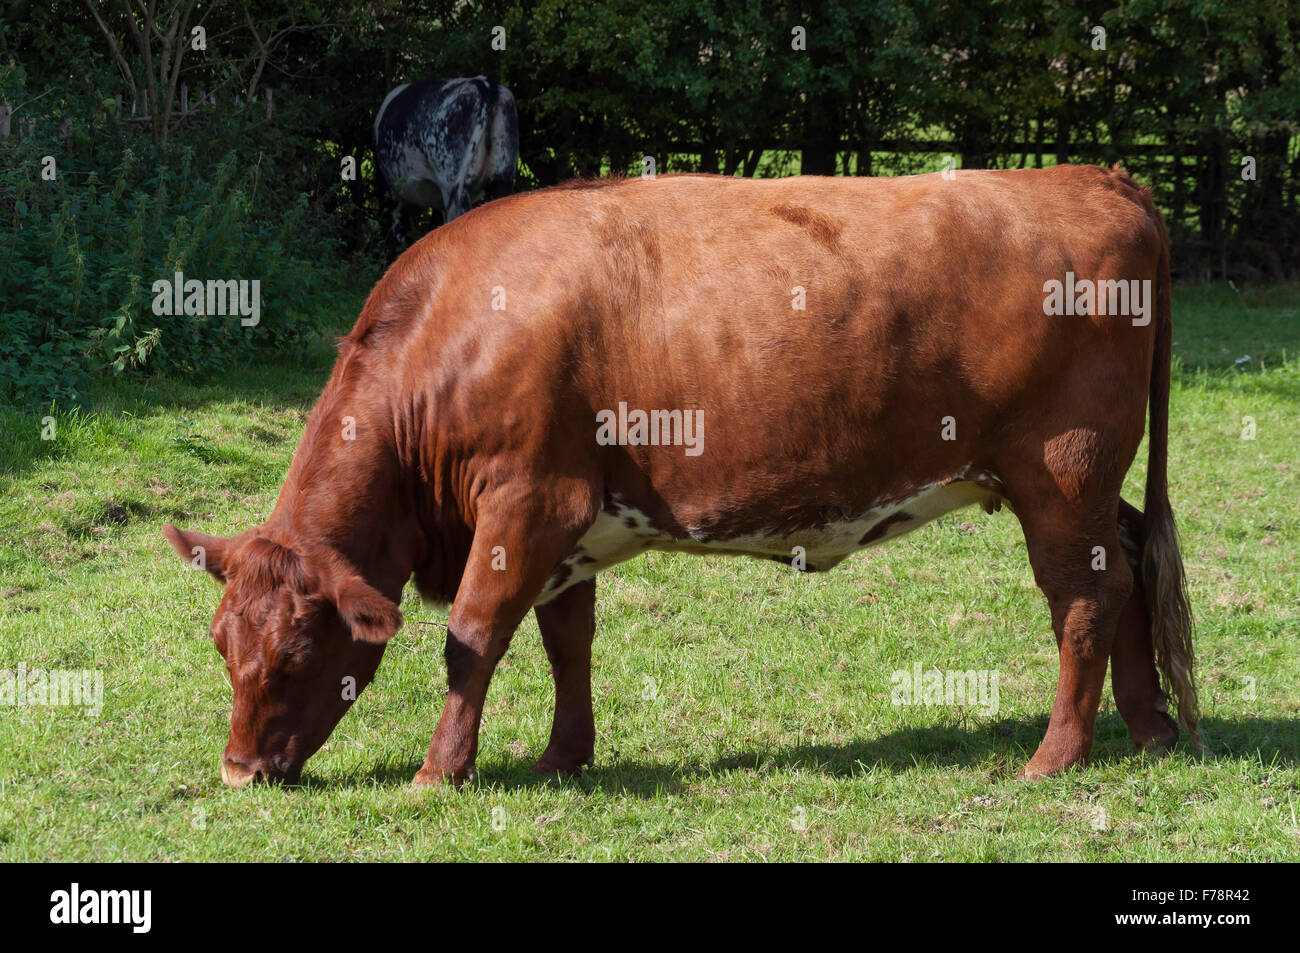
(1171,616)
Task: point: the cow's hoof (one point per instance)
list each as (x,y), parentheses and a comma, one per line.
(428,777)
(560,765)
(1159,737)
(1044,766)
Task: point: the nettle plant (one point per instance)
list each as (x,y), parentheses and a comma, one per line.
(80,253)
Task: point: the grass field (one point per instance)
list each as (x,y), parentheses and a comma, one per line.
(743,711)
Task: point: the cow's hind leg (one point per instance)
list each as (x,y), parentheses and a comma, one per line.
(1075,552)
(397,229)
(568,625)
(456,200)
(1134,679)
(499,186)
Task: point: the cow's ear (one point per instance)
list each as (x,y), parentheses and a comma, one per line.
(200,550)
(369,614)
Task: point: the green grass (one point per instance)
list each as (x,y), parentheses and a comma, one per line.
(743,711)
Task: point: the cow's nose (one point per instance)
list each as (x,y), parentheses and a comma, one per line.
(236,774)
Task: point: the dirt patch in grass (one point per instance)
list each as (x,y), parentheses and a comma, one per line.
(112,514)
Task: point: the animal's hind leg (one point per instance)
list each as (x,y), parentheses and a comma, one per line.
(568,625)
(457,201)
(1133,676)
(1075,552)
(397,231)
(500,185)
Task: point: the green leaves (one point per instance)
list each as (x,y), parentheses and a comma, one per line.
(80,257)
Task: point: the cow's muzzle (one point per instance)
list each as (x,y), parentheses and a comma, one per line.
(237,774)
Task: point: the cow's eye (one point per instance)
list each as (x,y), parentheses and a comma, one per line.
(295,661)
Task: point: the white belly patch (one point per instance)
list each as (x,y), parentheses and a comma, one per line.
(621,532)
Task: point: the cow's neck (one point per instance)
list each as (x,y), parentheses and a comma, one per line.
(346,492)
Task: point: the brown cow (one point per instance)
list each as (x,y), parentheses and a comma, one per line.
(791,368)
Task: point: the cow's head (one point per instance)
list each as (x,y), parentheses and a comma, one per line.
(301,634)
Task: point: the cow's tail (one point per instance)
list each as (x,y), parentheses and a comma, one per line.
(487,97)
(1163,577)
(487,103)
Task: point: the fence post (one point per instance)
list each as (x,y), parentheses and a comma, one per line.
(185,100)
(6,112)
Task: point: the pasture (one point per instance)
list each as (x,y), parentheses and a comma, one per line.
(743,710)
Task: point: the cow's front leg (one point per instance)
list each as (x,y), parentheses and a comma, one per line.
(568,625)
(514,552)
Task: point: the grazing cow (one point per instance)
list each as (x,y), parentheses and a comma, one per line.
(444,144)
(791,368)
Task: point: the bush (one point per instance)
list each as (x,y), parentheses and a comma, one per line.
(79,256)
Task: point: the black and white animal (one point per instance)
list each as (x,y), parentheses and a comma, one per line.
(444,144)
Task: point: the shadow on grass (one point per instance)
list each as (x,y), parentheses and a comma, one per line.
(1000,749)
